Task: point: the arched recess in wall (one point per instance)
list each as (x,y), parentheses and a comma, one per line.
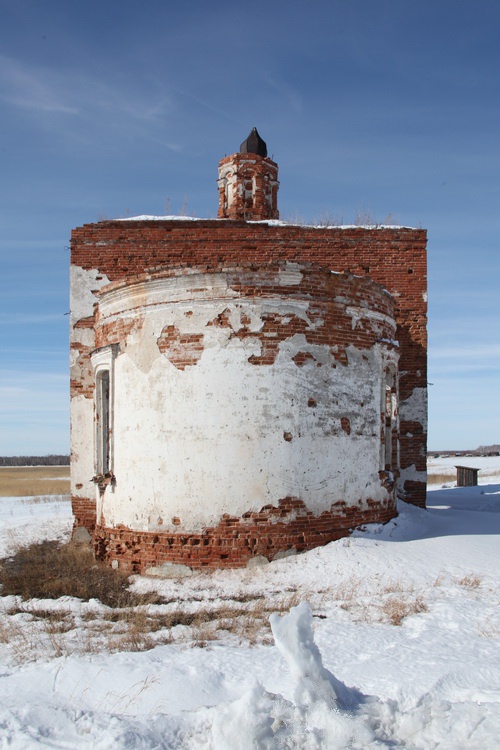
(390,420)
(249,191)
(103,364)
(268,191)
(226,182)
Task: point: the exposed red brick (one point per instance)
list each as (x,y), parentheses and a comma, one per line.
(133,248)
(253,182)
(115,331)
(234,541)
(396,258)
(346,425)
(84,512)
(182,349)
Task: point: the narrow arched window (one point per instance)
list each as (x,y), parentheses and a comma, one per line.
(103,423)
(103,361)
(390,422)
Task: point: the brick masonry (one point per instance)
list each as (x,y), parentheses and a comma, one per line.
(248,187)
(122,251)
(234,541)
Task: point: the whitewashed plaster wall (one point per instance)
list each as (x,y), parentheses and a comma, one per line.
(414,409)
(224,435)
(83,286)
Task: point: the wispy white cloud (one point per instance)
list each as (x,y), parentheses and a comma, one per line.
(34,411)
(455,363)
(86,98)
(8,319)
(456,370)
(24,86)
(478,353)
(288,92)
(34,394)
(207,105)
(456,367)
(34,417)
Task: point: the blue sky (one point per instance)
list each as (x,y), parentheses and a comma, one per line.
(386,107)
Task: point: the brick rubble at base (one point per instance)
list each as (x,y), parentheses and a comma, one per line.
(234,541)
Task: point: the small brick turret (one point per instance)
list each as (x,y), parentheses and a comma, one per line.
(248,183)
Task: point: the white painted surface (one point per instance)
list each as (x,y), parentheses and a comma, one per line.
(410,474)
(83,284)
(414,409)
(82,447)
(209,439)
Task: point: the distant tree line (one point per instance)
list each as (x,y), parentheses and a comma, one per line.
(52,460)
(489,448)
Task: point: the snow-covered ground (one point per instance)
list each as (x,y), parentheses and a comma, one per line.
(489,468)
(391,642)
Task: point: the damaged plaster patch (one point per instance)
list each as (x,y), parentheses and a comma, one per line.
(158,292)
(414,409)
(358,313)
(304,354)
(181,349)
(346,425)
(269,330)
(140,345)
(291,275)
(82,470)
(259,433)
(169,570)
(410,474)
(276,328)
(83,283)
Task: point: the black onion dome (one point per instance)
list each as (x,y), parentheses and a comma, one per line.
(254,144)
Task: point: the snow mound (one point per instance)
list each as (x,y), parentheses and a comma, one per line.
(426,681)
(326,714)
(322,713)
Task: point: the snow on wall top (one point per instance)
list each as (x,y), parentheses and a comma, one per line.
(270,222)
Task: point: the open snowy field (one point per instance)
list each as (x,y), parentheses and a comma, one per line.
(489,468)
(391,642)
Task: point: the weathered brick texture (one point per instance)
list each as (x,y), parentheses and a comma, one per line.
(125,252)
(84,512)
(395,257)
(248,188)
(236,540)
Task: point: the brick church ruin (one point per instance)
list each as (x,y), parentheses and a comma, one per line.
(241,386)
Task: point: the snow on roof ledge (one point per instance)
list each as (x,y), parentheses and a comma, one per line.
(146,217)
(269,222)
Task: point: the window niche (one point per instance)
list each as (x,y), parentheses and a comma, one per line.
(103,364)
(390,442)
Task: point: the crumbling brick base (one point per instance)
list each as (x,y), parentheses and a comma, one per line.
(416,493)
(234,541)
(84,513)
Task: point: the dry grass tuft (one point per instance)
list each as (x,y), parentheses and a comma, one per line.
(441,478)
(396,609)
(132,622)
(28,481)
(470,581)
(396,587)
(378,601)
(31,630)
(49,570)
(489,629)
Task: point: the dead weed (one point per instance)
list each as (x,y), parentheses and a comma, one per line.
(49,570)
(28,481)
(396,609)
(470,581)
